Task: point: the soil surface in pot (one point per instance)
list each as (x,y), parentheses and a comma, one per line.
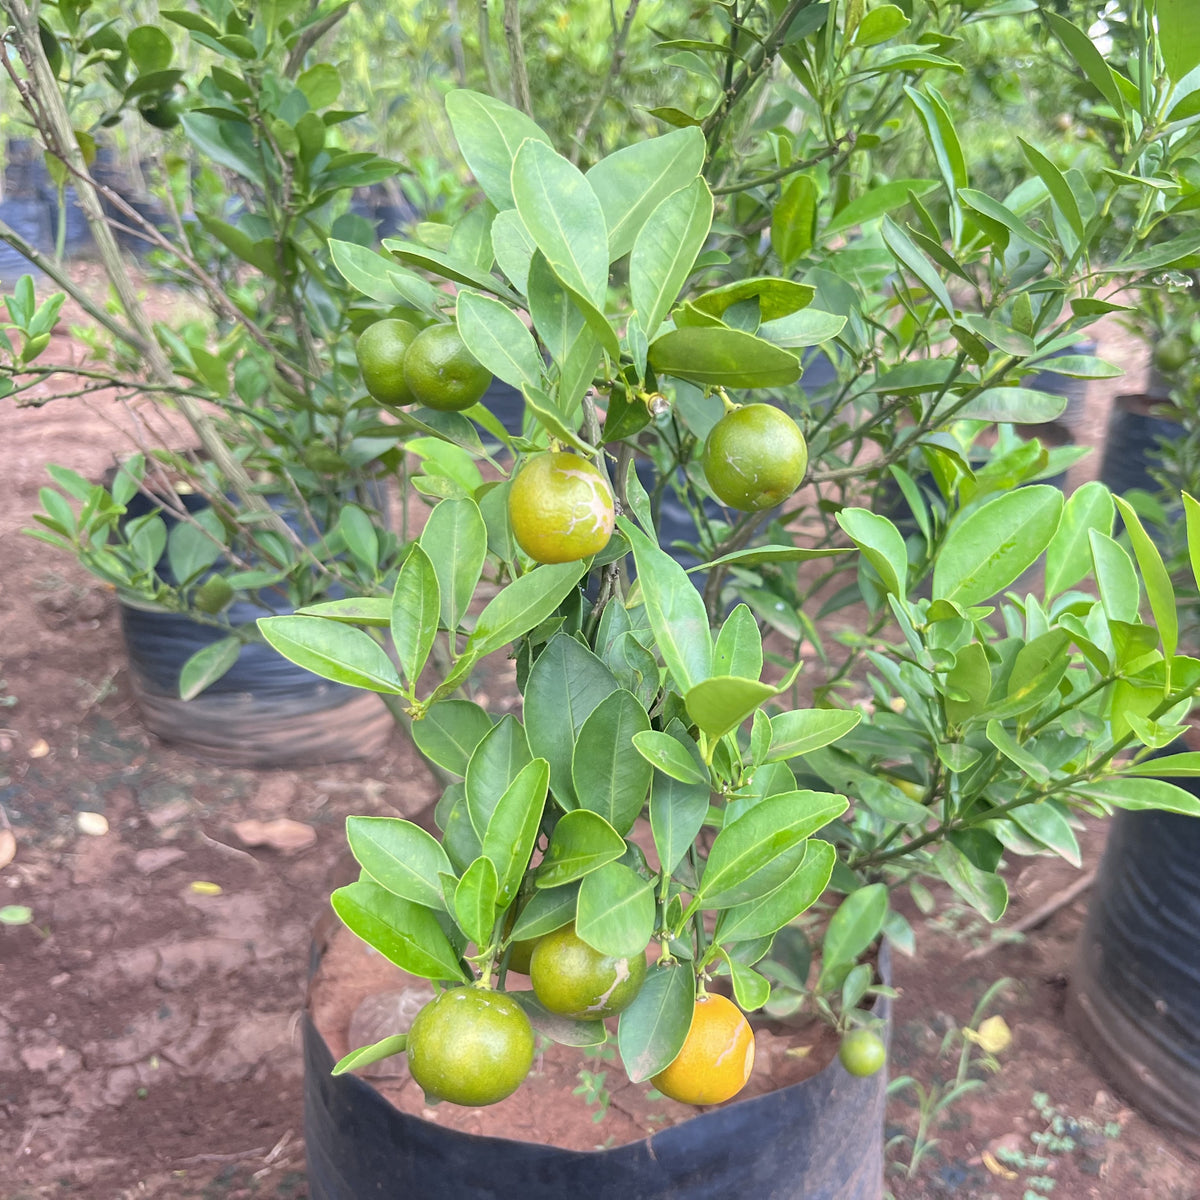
(149,1031)
(359,997)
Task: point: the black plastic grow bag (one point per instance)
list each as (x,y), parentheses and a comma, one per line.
(821,1139)
(1135,990)
(1131,444)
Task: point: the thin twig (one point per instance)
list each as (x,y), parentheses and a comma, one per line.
(516,56)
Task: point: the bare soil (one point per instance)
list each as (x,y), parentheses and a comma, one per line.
(149,1026)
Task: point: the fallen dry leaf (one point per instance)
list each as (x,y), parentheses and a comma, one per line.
(39,749)
(8,847)
(282,834)
(202,887)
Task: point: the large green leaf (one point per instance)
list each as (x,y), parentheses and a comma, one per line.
(723,358)
(609,778)
(665,252)
(498,338)
(987,550)
(739,647)
(1116,578)
(878,202)
(522,605)
(475,901)
(881,545)
(857,922)
(1069,555)
(489,133)
(1141,793)
(1017,405)
(449,732)
(373,274)
(984,891)
(403,932)
(762,917)
(721,703)
(401,857)
(499,757)
(631,182)
(207,665)
(678,808)
(616,911)
(801,731)
(655,1026)
(671,756)
(1179,36)
(513,248)
(513,829)
(455,539)
(415,612)
(1159,589)
(582,842)
(794,220)
(777,298)
(333,651)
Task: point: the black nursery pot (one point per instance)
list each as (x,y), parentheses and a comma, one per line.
(821,1139)
(265,711)
(1135,989)
(1131,443)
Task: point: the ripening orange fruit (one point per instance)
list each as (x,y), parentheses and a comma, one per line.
(717,1055)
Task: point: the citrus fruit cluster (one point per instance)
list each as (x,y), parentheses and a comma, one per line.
(402,365)
(560,508)
(755,457)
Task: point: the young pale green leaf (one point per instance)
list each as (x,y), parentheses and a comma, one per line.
(475,901)
(1069,555)
(777,298)
(566,684)
(809,327)
(854,926)
(794,219)
(907,254)
(803,730)
(631,182)
(512,832)
(401,857)
(880,25)
(671,757)
(881,545)
(608,779)
(498,338)
(207,665)
(1116,578)
(750,989)
(1159,589)
(1061,196)
(1179,37)
(756,853)
(878,202)
(1016,753)
(563,216)
(675,609)
(768,914)
(365,1055)
(415,611)
(984,891)
(545,911)
(739,648)
(988,549)
(500,756)
(333,651)
(1168,766)
(665,252)
(582,842)
(723,358)
(513,248)
(403,932)
(616,911)
(1045,822)
(489,133)
(449,732)
(522,606)
(655,1026)
(455,539)
(1137,794)
(721,703)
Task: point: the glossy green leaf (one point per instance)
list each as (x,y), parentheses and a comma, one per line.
(1179,36)
(333,651)
(401,857)
(564,1030)
(801,731)
(455,540)
(609,778)
(499,757)
(1089,60)
(724,358)
(403,932)
(794,219)
(512,831)
(1044,822)
(721,703)
(678,808)
(675,610)
(475,901)
(671,757)
(908,255)
(207,665)
(1069,555)
(1168,766)
(987,550)
(855,925)
(878,202)
(665,252)
(881,545)
(566,685)
(1116,578)
(513,248)
(372,274)
(880,25)
(545,911)
(756,853)
(655,1026)
(376,1052)
(1137,794)
(498,338)
(582,842)
(981,202)
(522,605)
(1061,195)
(1017,405)
(1159,589)
(739,648)
(616,911)
(984,891)
(808,327)
(449,732)
(777,298)
(1015,752)
(415,611)
(800,891)
(489,133)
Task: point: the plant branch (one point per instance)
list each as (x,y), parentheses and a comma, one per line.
(516,56)
(620,37)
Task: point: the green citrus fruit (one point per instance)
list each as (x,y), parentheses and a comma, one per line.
(162,112)
(560,508)
(574,980)
(442,373)
(755,457)
(1171,354)
(862,1052)
(471,1046)
(717,1055)
(380,351)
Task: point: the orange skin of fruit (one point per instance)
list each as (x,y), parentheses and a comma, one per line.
(560,508)
(717,1055)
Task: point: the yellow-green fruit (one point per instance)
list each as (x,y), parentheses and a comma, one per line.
(471,1046)
(1171,354)
(572,979)
(442,373)
(755,457)
(560,508)
(862,1052)
(380,351)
